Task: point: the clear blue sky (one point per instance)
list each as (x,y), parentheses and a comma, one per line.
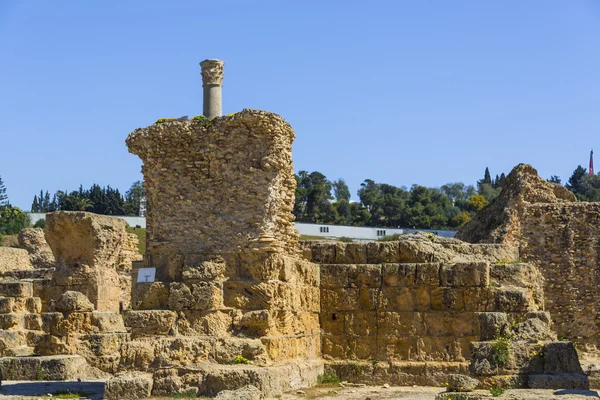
(400,92)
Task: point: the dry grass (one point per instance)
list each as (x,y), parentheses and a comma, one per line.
(10,241)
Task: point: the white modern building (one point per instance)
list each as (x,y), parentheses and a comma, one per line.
(318,230)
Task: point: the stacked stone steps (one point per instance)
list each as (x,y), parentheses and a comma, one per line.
(47,368)
(524,355)
(38,273)
(208,379)
(20,319)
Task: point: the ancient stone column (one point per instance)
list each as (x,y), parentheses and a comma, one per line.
(212,82)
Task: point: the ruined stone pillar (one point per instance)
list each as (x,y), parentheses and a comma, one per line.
(212,82)
(220,234)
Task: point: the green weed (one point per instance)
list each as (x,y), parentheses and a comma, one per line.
(328,378)
(240,360)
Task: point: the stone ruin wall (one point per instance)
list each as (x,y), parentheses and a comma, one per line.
(221,238)
(416,300)
(559,236)
(563,241)
(223,186)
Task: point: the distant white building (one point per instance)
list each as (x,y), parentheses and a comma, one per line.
(318,230)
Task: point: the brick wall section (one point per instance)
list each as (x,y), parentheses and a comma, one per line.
(563,241)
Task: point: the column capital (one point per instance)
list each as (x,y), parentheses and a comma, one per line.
(212,72)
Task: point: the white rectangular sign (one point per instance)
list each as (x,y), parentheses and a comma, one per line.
(146,275)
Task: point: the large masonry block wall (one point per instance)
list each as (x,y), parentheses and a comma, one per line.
(419,312)
(265,306)
(388,309)
(563,241)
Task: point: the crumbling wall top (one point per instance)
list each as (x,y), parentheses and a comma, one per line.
(220,185)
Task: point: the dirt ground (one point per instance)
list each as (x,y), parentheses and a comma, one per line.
(21,390)
(335,392)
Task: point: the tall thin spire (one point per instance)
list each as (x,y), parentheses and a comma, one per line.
(592,162)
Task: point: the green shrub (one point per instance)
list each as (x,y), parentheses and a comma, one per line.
(328,378)
(40,223)
(345,239)
(67,394)
(202,120)
(161,120)
(500,347)
(13,220)
(391,238)
(240,360)
(184,395)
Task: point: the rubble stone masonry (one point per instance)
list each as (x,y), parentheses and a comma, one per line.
(563,241)
(217,187)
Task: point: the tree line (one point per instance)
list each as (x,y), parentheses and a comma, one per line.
(319,200)
(96,199)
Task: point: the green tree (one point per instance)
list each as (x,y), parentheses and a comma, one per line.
(341,190)
(3,195)
(574,182)
(477,202)
(360,215)
(35,206)
(554,179)
(133,197)
(12,220)
(313,198)
(461,219)
(487,178)
(343,212)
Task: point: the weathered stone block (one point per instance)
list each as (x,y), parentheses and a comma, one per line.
(149,322)
(493,325)
(208,270)
(480,299)
(361,323)
(150,295)
(226,349)
(364,275)
(446,299)
(382,252)
(560,381)
(513,299)
(332,322)
(449,323)
(129,386)
(16,289)
(427,274)
(399,274)
(465,274)
(338,347)
(351,253)
(561,358)
(194,296)
(71,301)
(7,304)
(401,324)
(11,320)
(334,275)
(404,299)
(209,323)
(181,350)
